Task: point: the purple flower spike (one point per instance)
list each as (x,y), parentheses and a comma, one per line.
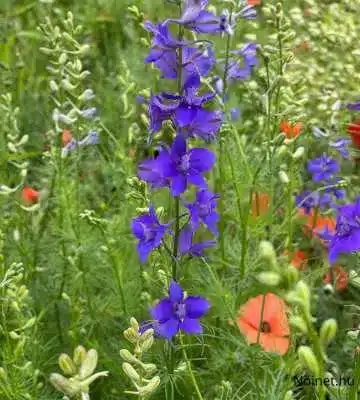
(186,245)
(322,168)
(149,231)
(204,210)
(354,106)
(347,232)
(174,313)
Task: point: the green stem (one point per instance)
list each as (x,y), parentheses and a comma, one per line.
(191,373)
(261,319)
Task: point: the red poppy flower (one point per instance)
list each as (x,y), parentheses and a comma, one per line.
(291,131)
(260,204)
(66,137)
(354,131)
(315,225)
(274,327)
(341,278)
(29,195)
(299,259)
(254,2)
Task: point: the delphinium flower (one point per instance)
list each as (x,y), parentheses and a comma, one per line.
(186,245)
(341,145)
(149,231)
(323,168)
(347,231)
(92,138)
(175,313)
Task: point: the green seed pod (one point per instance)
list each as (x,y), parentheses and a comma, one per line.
(146,345)
(299,323)
(67,365)
(269,278)
(308,360)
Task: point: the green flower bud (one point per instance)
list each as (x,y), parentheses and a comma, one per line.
(146,345)
(14,336)
(79,355)
(64,385)
(131,372)
(134,324)
(149,369)
(267,251)
(289,395)
(67,365)
(150,387)
(127,356)
(146,335)
(269,278)
(299,323)
(2,373)
(89,364)
(131,335)
(308,360)
(328,331)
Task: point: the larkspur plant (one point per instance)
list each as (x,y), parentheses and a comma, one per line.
(233,144)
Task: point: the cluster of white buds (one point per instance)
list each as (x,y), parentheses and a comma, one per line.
(15,141)
(80,370)
(69,92)
(140,373)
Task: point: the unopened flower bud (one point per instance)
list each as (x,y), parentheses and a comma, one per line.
(308,360)
(283,176)
(298,153)
(299,323)
(269,278)
(127,356)
(65,385)
(328,331)
(131,372)
(89,364)
(150,387)
(131,335)
(149,369)
(67,365)
(146,345)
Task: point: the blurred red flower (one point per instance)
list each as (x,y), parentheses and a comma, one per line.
(30,195)
(341,278)
(291,131)
(66,137)
(299,259)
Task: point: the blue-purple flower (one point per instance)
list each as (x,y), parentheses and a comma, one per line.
(187,245)
(242,62)
(149,231)
(187,114)
(354,106)
(204,210)
(175,313)
(178,167)
(341,145)
(347,231)
(323,168)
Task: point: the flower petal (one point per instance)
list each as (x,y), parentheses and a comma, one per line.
(196,306)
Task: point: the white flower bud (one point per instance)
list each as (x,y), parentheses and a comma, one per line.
(284,177)
(298,153)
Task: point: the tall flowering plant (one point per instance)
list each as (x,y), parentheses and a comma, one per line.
(181,166)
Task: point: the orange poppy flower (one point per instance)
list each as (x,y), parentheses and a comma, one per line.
(260,204)
(291,131)
(274,328)
(341,278)
(66,137)
(254,2)
(299,259)
(315,225)
(30,195)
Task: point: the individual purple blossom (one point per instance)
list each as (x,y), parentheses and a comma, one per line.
(204,210)
(242,62)
(347,231)
(354,106)
(92,138)
(187,114)
(323,168)
(307,200)
(186,245)
(341,145)
(177,167)
(89,113)
(235,114)
(149,231)
(175,313)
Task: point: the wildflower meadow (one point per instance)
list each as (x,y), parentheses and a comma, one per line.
(179,199)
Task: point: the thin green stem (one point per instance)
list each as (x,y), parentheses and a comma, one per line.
(261,319)
(189,368)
